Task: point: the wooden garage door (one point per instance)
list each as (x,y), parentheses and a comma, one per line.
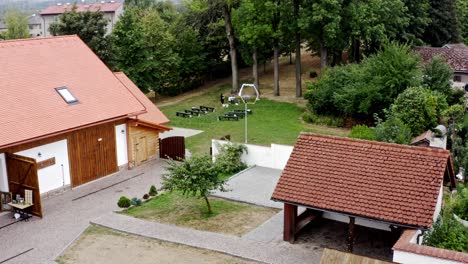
(92,154)
(22,175)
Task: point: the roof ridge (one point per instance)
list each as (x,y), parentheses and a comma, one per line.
(38,39)
(394,145)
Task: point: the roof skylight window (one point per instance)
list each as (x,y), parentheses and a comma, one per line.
(66,95)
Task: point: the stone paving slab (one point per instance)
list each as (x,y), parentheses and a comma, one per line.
(254,185)
(232,245)
(180,132)
(269,231)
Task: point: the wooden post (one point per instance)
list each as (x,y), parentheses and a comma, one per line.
(351,234)
(290,215)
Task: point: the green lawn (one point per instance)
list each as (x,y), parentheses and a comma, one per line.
(227,217)
(271,122)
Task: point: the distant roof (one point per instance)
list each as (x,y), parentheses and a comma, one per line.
(108,7)
(455,56)
(153,114)
(382,181)
(455,45)
(431,139)
(30,105)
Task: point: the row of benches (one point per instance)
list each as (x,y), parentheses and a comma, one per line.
(196,111)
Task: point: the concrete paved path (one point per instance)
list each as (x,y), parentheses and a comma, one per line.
(254,185)
(232,245)
(180,132)
(68,214)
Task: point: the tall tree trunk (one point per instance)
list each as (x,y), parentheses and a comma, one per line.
(290,57)
(276,69)
(232,48)
(298,52)
(255,69)
(355,50)
(208,204)
(323,56)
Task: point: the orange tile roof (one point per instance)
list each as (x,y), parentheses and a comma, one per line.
(103,7)
(153,115)
(31,69)
(388,182)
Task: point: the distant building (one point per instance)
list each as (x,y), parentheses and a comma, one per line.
(112,11)
(432,139)
(35,26)
(456,56)
(3,26)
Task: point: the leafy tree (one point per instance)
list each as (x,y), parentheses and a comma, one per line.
(17,25)
(139,3)
(228,161)
(437,76)
(362,132)
(462,16)
(393,130)
(419,108)
(253,28)
(197,176)
(89,26)
(418,15)
(444,27)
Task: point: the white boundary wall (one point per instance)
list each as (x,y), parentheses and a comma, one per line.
(275,157)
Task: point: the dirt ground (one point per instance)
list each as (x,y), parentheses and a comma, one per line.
(104,246)
(287,81)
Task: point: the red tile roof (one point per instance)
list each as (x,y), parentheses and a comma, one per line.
(30,107)
(404,244)
(388,182)
(456,57)
(153,115)
(103,7)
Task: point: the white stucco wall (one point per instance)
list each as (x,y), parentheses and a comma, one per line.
(275,157)
(55,176)
(412,258)
(358,221)
(121,144)
(3,174)
(439,203)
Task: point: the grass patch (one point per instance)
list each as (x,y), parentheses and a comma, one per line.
(271,122)
(227,217)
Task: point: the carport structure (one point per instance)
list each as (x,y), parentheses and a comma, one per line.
(373,184)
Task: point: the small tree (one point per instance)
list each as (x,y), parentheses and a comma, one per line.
(196,176)
(17,25)
(437,76)
(228,160)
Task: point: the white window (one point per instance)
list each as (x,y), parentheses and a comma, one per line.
(66,95)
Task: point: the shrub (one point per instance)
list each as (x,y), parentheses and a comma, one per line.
(360,90)
(146,196)
(124,202)
(447,233)
(457,96)
(460,207)
(153,191)
(332,121)
(136,201)
(419,108)
(313,74)
(228,161)
(362,132)
(438,75)
(393,130)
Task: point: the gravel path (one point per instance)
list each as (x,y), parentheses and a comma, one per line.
(65,216)
(232,245)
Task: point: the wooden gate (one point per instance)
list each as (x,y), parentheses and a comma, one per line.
(172,148)
(22,175)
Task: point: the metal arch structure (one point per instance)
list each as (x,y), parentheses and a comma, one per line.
(246,99)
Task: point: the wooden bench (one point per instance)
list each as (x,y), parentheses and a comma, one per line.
(198,110)
(228,118)
(240,115)
(207,108)
(249,111)
(183,114)
(193,113)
